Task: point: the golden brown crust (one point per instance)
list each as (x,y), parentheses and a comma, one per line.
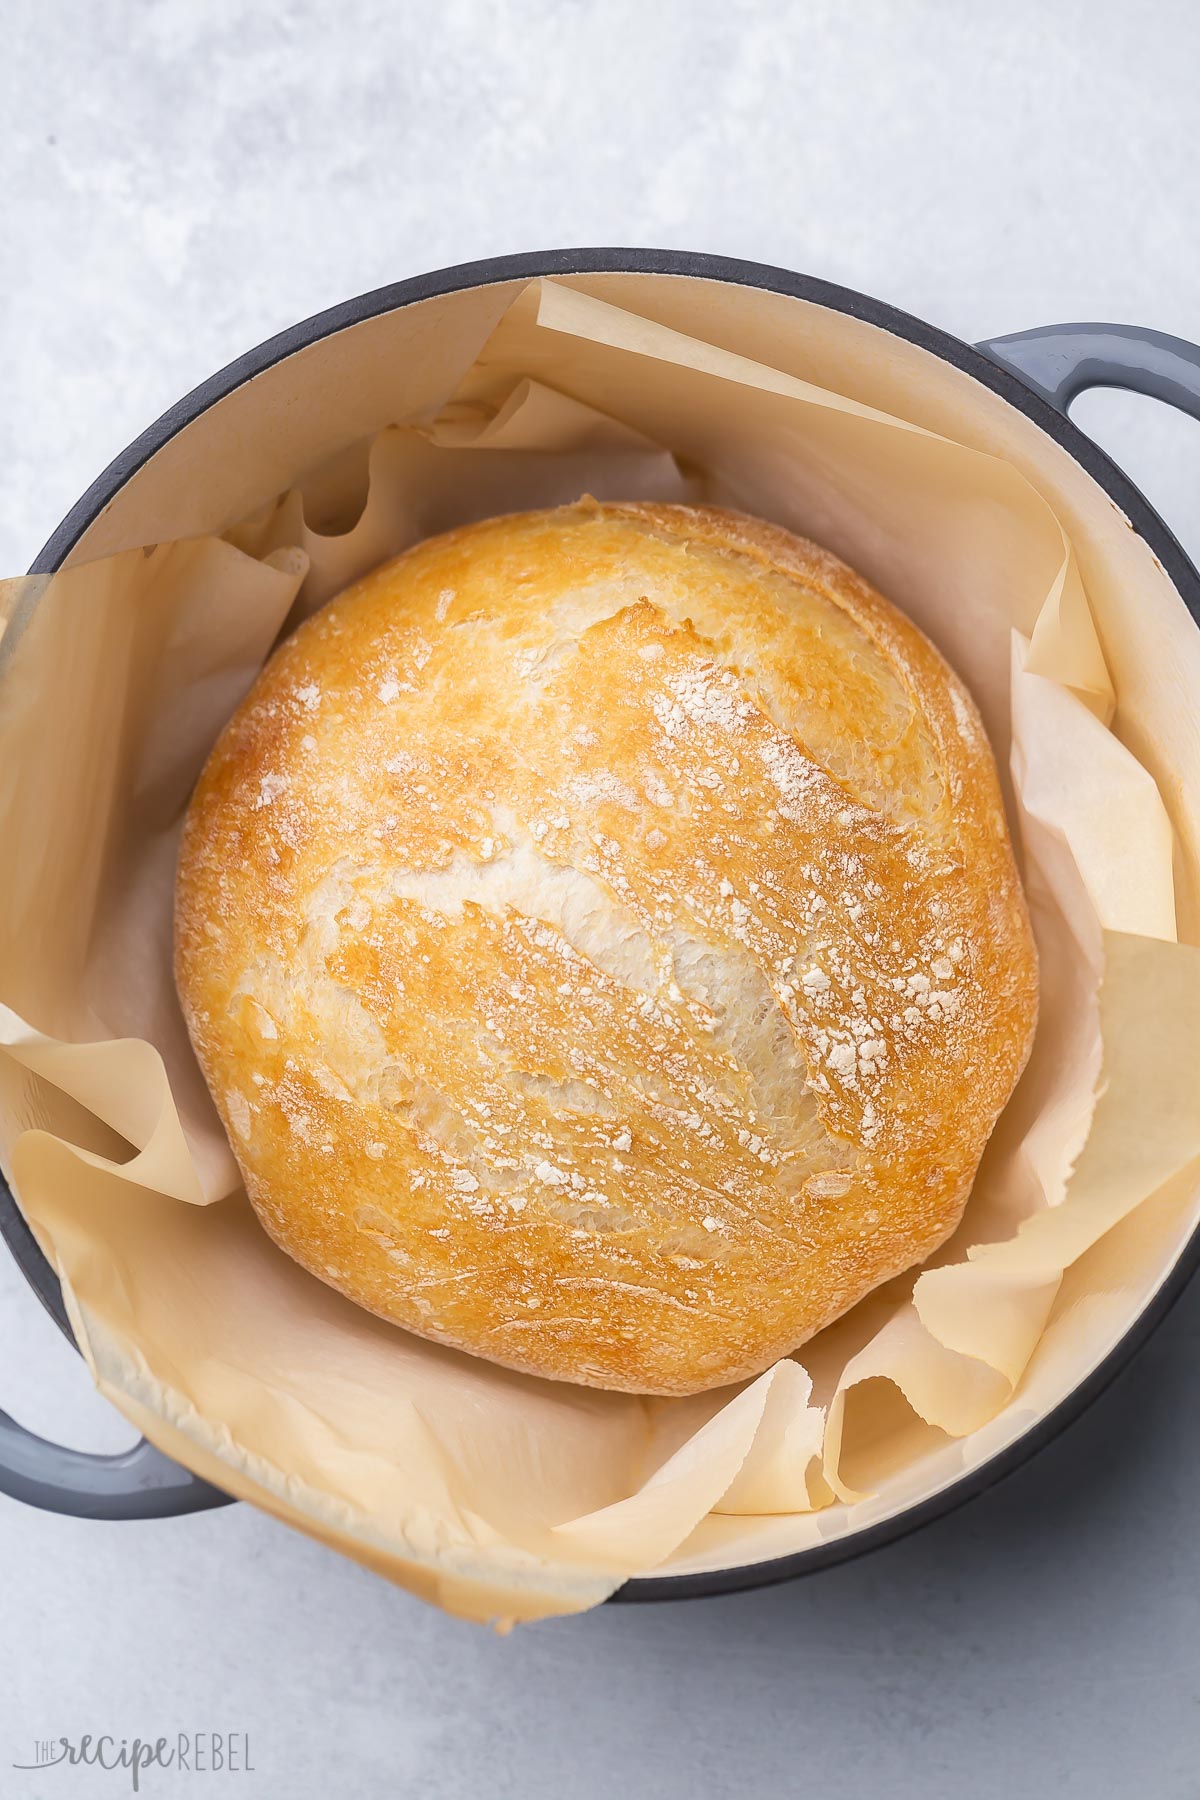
(601,936)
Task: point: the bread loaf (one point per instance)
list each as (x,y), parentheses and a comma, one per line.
(600,934)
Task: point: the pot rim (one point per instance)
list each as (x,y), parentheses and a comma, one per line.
(1141,515)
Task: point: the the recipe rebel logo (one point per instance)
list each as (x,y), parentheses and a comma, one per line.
(196,1753)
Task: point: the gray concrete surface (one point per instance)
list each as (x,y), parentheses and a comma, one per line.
(179,180)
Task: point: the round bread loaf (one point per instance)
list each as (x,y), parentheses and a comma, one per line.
(600,934)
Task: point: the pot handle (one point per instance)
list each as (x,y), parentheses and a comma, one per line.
(1060,361)
(140,1483)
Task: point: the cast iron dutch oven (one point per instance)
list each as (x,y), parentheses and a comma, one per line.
(1039,373)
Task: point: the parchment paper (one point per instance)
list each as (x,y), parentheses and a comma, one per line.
(492,1494)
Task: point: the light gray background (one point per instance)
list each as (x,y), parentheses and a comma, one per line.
(178,181)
